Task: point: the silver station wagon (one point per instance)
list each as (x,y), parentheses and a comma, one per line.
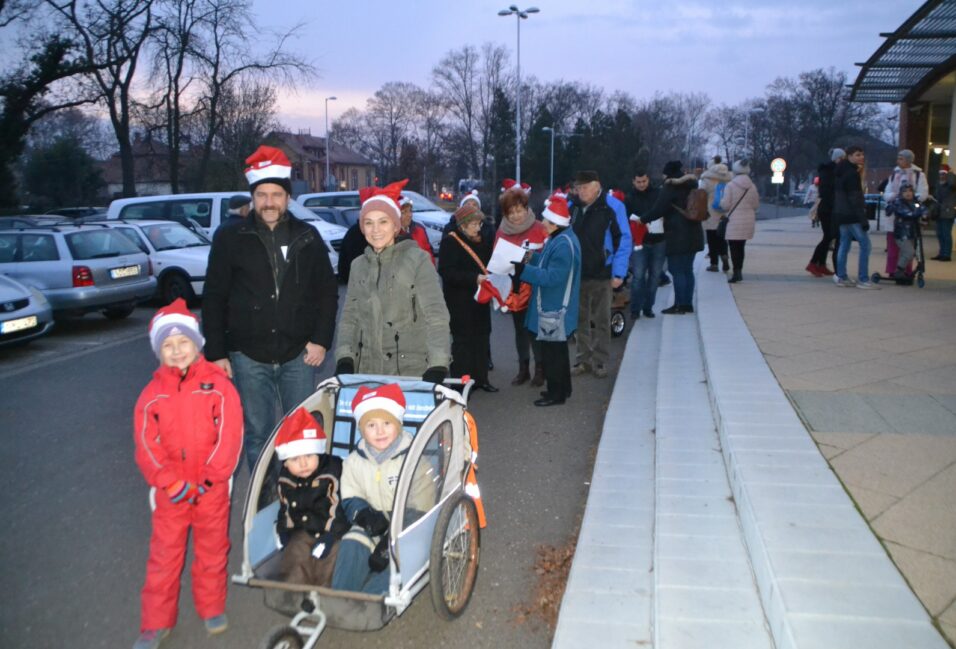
(78,268)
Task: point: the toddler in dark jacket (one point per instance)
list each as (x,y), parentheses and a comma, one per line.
(310,520)
(908,212)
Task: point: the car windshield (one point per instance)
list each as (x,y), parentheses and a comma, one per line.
(172,235)
(421,204)
(95,244)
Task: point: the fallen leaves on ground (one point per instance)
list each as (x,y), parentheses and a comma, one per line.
(551,567)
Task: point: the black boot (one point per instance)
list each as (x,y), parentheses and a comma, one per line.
(538,379)
(724,263)
(523,373)
(736,277)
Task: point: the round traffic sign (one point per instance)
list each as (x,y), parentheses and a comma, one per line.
(778,165)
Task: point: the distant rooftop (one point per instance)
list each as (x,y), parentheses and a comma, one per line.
(912,57)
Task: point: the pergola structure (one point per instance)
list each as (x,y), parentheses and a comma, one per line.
(916,68)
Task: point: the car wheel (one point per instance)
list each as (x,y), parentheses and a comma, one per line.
(175,286)
(118,313)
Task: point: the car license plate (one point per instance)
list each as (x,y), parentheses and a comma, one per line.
(125,271)
(19,324)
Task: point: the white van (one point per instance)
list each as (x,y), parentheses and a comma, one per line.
(208,210)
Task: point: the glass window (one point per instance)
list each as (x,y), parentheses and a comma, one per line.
(143,211)
(133,235)
(197,209)
(38,247)
(167,236)
(95,244)
(354,176)
(348,200)
(421,204)
(8,248)
(429,476)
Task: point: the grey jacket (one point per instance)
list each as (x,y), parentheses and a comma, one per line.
(394,321)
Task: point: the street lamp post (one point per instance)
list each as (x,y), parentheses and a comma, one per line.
(520,14)
(551,165)
(328,144)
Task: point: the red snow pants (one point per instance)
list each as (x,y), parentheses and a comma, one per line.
(209,520)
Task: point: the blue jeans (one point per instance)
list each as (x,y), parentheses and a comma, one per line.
(352,571)
(849,233)
(647,264)
(681,268)
(944,231)
(263,385)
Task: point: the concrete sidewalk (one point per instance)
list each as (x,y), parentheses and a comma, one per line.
(871,375)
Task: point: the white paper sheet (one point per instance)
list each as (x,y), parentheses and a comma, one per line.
(504,255)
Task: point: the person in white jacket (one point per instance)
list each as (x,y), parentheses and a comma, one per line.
(716,174)
(908,172)
(740,202)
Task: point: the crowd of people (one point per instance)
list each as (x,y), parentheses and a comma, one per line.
(269,321)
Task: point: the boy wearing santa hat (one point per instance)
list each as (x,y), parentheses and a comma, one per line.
(188,438)
(311,519)
(369,477)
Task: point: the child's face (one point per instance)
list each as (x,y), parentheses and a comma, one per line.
(178,351)
(379,433)
(302,466)
(907,194)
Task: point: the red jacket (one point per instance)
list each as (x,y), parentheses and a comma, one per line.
(188,427)
(416,231)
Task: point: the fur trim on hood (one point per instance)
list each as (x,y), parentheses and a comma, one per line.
(718,172)
(680,181)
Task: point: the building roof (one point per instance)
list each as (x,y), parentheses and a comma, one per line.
(912,56)
(307,146)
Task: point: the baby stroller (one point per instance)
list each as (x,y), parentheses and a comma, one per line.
(442,534)
(920,258)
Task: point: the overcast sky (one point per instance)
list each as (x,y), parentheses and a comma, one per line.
(729,50)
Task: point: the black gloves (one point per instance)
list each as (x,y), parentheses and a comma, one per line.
(345,366)
(378,560)
(435,374)
(372,521)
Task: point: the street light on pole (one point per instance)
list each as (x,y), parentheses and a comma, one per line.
(328,144)
(520,14)
(551,166)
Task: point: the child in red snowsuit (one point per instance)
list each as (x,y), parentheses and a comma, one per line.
(188,437)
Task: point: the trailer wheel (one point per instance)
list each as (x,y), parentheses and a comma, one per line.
(618,323)
(453,560)
(282,637)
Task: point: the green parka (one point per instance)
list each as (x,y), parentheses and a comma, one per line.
(394,321)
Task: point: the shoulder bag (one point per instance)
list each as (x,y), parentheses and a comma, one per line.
(722,224)
(551,323)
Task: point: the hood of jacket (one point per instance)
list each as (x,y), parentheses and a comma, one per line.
(686,178)
(718,172)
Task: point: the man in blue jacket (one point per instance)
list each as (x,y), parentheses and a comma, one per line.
(600,222)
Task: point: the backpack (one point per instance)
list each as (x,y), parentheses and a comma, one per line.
(696,209)
(718,194)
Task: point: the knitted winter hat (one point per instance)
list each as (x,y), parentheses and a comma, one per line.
(387,400)
(907,155)
(470,196)
(269,165)
(741,167)
(837,154)
(300,434)
(382,199)
(174,319)
(466,213)
(556,211)
(674,169)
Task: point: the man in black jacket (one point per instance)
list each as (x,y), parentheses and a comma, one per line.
(849,212)
(269,302)
(647,260)
(826,172)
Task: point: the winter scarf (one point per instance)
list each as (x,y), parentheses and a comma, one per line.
(511,229)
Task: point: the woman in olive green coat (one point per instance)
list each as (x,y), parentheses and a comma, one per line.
(394,321)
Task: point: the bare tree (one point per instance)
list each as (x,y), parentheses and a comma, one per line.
(457,78)
(429,115)
(111,34)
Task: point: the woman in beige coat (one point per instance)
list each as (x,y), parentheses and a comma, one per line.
(740,201)
(715,174)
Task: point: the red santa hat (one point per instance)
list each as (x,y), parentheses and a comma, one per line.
(299,434)
(488,291)
(618,194)
(384,400)
(556,211)
(382,199)
(470,196)
(535,240)
(404,200)
(171,320)
(269,165)
(510,183)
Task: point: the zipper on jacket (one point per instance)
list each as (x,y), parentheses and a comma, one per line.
(358,362)
(414,306)
(397,365)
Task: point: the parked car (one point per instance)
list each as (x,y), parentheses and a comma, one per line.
(25,313)
(424,211)
(78,212)
(209,210)
(178,256)
(78,268)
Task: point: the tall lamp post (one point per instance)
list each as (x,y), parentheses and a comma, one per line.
(520,14)
(328,144)
(551,165)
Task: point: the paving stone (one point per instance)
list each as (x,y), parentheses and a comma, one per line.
(879,462)
(924,519)
(914,413)
(695,603)
(809,459)
(626,515)
(696,634)
(843,440)
(574,633)
(690,547)
(827,411)
(712,505)
(871,503)
(829,632)
(624,583)
(933,578)
(691,487)
(703,573)
(697,525)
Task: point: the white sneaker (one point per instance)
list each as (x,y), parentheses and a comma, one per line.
(845,283)
(868,285)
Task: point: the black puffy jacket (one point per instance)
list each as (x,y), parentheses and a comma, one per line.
(849,204)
